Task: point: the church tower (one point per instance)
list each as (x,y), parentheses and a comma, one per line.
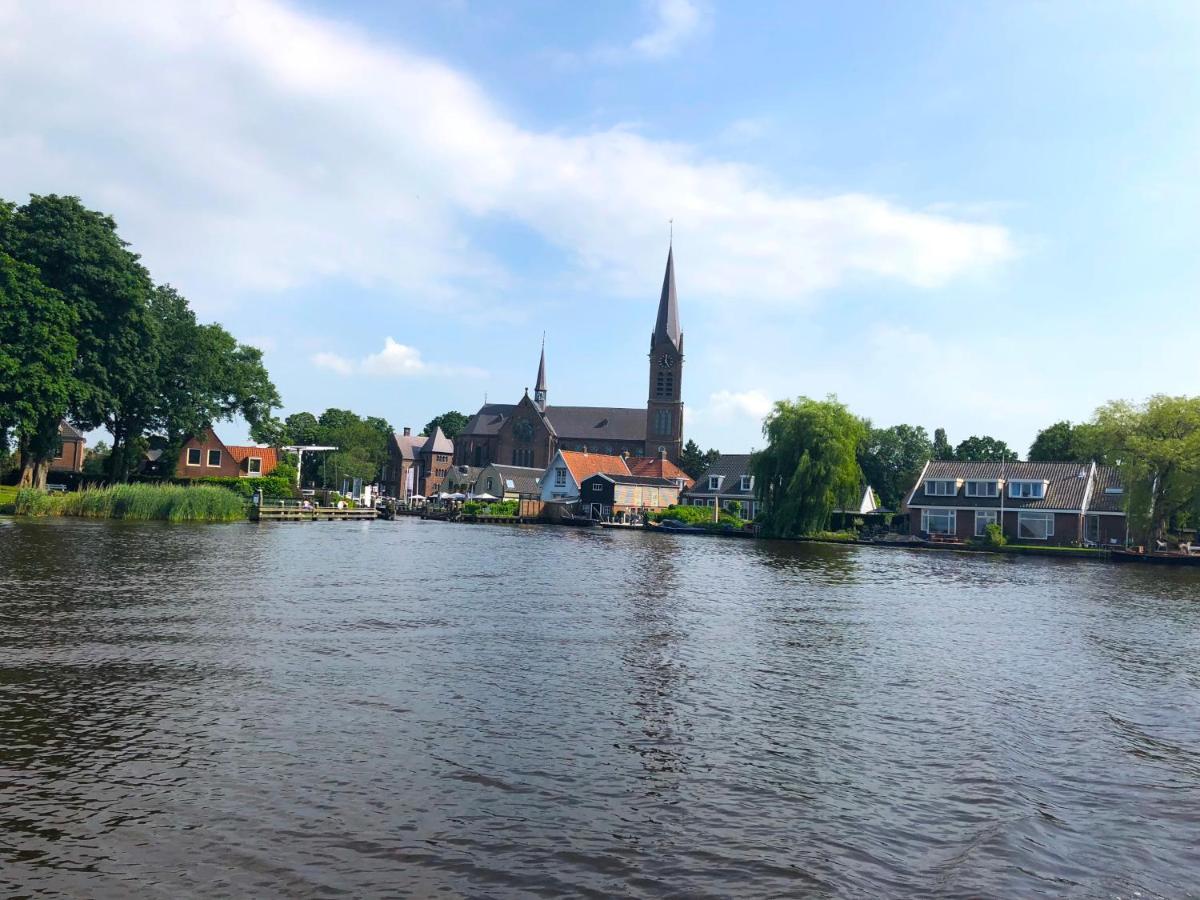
(664,403)
(539,389)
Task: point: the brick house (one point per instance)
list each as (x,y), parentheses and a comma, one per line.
(1034,502)
(206,456)
(70,449)
(417,464)
(726,482)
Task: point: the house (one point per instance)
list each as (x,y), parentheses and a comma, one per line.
(660,467)
(726,482)
(509,482)
(603,494)
(69,450)
(529,432)
(459,479)
(206,456)
(569,469)
(417,464)
(1034,502)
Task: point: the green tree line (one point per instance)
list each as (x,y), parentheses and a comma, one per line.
(86,335)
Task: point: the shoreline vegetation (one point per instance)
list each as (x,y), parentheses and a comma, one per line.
(137,502)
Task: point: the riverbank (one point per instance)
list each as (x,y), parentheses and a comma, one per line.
(139,502)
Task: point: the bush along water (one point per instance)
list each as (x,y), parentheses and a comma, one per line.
(499,509)
(167,502)
(697,515)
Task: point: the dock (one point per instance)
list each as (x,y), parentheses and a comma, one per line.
(295,513)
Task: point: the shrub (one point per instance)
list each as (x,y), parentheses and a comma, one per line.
(169,502)
(272,486)
(696,515)
(995,536)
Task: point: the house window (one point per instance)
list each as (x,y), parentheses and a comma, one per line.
(1027,490)
(214,458)
(982,489)
(597,488)
(939,521)
(254,465)
(984,518)
(941,488)
(58,449)
(560,477)
(193,456)
(1036,526)
(747,482)
(489,484)
(714,482)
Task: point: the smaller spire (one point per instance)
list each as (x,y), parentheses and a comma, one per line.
(539,387)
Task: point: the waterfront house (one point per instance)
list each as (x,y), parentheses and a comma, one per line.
(460,479)
(659,466)
(509,482)
(417,464)
(617,495)
(1061,503)
(206,456)
(69,449)
(726,482)
(568,470)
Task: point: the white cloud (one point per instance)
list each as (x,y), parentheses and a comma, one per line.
(724,406)
(678,20)
(394,360)
(247,146)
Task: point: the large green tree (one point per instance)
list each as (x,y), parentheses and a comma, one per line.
(810,464)
(891,459)
(451,422)
(362,445)
(1156,446)
(695,461)
(941,445)
(37,364)
(984,449)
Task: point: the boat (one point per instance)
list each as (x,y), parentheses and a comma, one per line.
(577,521)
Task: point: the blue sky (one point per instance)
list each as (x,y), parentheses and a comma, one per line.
(981,216)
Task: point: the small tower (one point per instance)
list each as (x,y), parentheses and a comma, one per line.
(539,389)
(664,402)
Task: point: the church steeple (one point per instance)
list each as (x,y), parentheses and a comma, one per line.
(667,326)
(539,389)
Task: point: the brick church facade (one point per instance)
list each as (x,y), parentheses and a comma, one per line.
(528,433)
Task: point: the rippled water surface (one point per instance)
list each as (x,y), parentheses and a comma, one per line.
(415,708)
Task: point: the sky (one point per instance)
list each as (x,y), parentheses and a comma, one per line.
(977,216)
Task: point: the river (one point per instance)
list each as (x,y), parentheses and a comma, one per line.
(418,708)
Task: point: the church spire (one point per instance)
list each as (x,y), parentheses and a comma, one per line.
(539,389)
(667,326)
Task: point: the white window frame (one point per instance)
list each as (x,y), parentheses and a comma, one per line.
(984,518)
(949,512)
(1027,490)
(949,487)
(209,455)
(747,482)
(990,488)
(597,487)
(714,482)
(250,461)
(199,457)
(1028,514)
(560,476)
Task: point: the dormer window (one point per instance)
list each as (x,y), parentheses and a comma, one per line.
(747,482)
(254,465)
(983,489)
(941,488)
(1027,490)
(714,482)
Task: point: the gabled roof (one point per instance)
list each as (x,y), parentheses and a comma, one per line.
(657,467)
(731,467)
(1066,483)
(409,445)
(521,479)
(634,479)
(1107,478)
(69,432)
(589,424)
(585,465)
(667,326)
(489,419)
(438,442)
(269,457)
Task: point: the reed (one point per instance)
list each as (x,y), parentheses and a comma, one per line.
(168,502)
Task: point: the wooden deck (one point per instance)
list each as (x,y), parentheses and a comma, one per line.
(318,513)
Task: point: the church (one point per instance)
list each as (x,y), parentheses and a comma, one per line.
(530,432)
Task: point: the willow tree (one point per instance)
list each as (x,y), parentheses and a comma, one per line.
(810,465)
(1156,447)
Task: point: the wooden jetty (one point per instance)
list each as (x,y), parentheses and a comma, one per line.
(295,513)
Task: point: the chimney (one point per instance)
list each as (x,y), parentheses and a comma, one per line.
(585,449)
(407,431)
(625,455)
(662,454)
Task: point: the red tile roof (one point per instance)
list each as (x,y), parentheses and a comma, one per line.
(585,465)
(657,467)
(267,454)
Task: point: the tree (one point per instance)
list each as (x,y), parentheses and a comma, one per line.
(95,461)
(362,445)
(37,360)
(941,445)
(810,464)
(302,429)
(1156,447)
(892,458)
(984,449)
(452,423)
(694,461)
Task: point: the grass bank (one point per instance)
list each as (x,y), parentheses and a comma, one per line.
(8,500)
(166,502)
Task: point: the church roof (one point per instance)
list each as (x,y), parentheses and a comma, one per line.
(667,326)
(597,423)
(489,419)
